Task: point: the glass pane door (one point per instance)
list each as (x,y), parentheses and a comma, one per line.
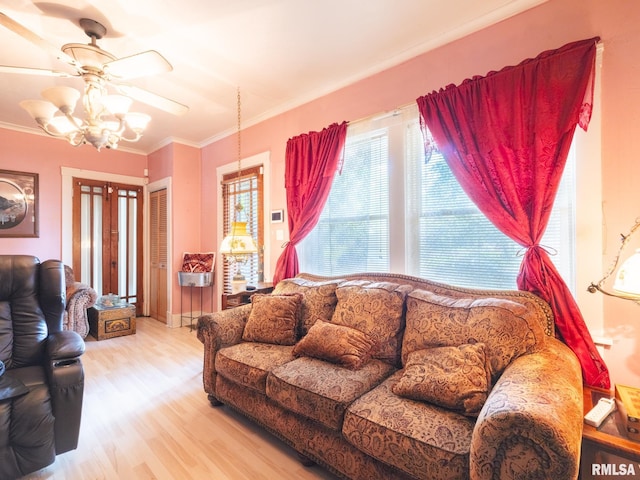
(107,238)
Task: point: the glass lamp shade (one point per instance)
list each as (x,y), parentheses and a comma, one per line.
(238,241)
(117,104)
(137,121)
(62,97)
(63,125)
(628,276)
(39,110)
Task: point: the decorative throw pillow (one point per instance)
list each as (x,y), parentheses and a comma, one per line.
(344,346)
(318,301)
(377,309)
(273,319)
(456,378)
(507,328)
(198,262)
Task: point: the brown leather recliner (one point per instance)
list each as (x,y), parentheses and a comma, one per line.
(42,386)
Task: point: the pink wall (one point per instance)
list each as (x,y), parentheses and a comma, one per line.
(621,172)
(45,156)
(182,164)
(186,201)
(552,25)
(161,163)
(547,26)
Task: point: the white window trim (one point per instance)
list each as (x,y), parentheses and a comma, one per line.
(590,228)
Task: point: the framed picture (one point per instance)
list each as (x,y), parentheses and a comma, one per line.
(18,204)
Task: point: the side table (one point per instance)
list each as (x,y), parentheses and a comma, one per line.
(244,297)
(109,322)
(607,450)
(199,280)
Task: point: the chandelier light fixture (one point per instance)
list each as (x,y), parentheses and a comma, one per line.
(105,119)
(106,122)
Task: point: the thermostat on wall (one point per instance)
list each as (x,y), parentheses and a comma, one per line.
(277,216)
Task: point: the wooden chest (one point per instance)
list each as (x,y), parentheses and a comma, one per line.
(109,322)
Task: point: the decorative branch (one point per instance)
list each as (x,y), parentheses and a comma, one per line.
(624,239)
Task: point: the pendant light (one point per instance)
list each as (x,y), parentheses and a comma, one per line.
(238,245)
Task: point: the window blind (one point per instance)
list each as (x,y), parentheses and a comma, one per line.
(391,209)
(246,189)
(352,234)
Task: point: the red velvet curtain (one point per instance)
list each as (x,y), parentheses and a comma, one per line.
(506,137)
(311,162)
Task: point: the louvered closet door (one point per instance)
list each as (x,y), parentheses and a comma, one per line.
(158,255)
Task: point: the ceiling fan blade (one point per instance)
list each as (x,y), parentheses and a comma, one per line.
(152,99)
(36,39)
(35,71)
(138,65)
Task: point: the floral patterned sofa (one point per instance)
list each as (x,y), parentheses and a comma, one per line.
(383,376)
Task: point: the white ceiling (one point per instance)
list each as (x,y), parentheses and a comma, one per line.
(281,53)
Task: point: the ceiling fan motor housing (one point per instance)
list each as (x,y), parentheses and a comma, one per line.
(92,28)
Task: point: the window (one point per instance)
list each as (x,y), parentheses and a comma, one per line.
(392,211)
(353,232)
(245,189)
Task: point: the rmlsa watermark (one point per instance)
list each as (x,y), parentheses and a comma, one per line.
(614,469)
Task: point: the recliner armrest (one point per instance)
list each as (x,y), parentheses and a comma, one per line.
(66,384)
(532,419)
(64,345)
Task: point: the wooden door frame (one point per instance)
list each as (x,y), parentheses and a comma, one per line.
(139,245)
(67,216)
(77,220)
(110,197)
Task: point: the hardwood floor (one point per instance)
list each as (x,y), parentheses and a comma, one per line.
(146,416)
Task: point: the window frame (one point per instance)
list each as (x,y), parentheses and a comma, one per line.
(253,216)
(262,159)
(403,246)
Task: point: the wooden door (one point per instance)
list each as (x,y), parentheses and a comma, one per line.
(158,255)
(107,238)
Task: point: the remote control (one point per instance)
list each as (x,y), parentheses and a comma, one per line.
(600,411)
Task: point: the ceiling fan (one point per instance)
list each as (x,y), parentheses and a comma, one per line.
(99,69)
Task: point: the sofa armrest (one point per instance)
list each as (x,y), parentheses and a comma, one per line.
(83,293)
(531,424)
(215,331)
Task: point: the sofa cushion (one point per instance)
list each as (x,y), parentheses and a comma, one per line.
(249,363)
(320,390)
(377,309)
(508,329)
(318,300)
(273,319)
(457,378)
(345,346)
(420,438)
